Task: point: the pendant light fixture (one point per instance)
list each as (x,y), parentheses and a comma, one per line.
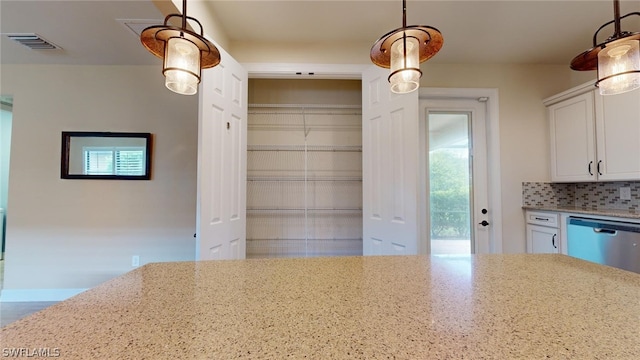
(183,51)
(403,50)
(617,59)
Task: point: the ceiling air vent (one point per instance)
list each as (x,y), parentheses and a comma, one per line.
(33,41)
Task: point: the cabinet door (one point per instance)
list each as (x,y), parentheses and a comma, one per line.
(542,239)
(618,136)
(571,125)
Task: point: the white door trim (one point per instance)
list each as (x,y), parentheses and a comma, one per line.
(493,150)
(304,71)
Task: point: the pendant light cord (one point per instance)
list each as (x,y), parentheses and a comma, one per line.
(404,34)
(184,14)
(404,13)
(618,33)
(616,18)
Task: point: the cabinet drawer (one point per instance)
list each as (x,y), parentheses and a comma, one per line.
(543,218)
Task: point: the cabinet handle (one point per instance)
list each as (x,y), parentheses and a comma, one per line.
(590,172)
(599,173)
(541,219)
(553,241)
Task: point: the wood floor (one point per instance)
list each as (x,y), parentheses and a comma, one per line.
(12,311)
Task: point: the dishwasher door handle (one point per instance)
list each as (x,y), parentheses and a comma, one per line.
(605,231)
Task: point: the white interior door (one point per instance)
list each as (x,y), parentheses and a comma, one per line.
(389,167)
(433,138)
(222,162)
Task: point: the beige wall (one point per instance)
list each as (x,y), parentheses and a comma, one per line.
(305,91)
(308,52)
(78,233)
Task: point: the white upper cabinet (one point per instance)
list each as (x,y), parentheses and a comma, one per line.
(594,137)
(618,136)
(571,122)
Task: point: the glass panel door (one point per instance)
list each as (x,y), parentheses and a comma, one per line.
(450,183)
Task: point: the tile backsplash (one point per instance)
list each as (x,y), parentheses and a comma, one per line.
(547,194)
(592,195)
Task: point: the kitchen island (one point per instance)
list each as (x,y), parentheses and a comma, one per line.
(406,307)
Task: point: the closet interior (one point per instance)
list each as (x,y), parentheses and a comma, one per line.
(304,168)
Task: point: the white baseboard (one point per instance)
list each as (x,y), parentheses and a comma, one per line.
(25,295)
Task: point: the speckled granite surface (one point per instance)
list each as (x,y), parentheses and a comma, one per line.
(629,214)
(480,307)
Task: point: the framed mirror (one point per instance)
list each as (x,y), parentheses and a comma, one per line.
(106,155)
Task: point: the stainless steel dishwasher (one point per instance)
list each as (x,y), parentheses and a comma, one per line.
(613,243)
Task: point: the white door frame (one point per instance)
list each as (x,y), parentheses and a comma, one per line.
(493,154)
(305,71)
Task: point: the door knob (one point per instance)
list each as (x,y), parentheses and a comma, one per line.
(484,223)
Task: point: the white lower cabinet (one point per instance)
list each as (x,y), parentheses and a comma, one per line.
(541,239)
(543,232)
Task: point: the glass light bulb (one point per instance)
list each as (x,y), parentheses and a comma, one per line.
(613,61)
(181,66)
(405,65)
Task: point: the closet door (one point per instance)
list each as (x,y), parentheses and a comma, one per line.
(389,167)
(222,162)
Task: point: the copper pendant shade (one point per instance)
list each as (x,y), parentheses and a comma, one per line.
(156,39)
(403,41)
(588,60)
(617,59)
(430,40)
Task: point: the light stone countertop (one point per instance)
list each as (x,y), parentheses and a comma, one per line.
(629,214)
(521,306)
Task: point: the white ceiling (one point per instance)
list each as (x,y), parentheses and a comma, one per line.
(516,31)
